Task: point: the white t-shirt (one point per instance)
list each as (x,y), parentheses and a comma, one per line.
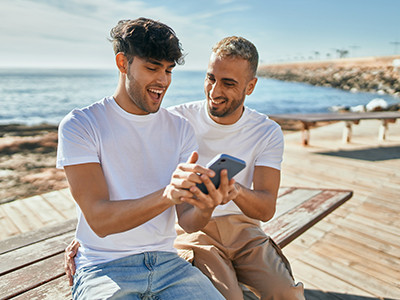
(138,154)
(253,138)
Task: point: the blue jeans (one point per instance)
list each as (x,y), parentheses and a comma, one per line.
(149,275)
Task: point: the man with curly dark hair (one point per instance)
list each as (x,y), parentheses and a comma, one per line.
(118,155)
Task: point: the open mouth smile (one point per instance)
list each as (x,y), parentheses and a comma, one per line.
(155,93)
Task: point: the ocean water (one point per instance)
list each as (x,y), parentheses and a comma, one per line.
(45,96)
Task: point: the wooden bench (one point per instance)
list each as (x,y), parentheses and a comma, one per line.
(309,120)
(32,263)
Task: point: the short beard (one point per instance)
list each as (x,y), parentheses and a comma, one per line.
(234,105)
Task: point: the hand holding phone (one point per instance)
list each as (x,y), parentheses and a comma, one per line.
(223,161)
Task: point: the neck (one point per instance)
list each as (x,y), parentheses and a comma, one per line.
(228,120)
(120,92)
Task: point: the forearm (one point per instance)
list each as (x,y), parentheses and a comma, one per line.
(259,205)
(192,219)
(108,217)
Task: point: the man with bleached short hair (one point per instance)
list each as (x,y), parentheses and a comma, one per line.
(232,248)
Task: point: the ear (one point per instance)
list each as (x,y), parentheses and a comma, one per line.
(122,62)
(251,85)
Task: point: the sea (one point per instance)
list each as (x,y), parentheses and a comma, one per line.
(37,96)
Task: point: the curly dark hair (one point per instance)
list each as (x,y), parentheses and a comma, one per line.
(146,38)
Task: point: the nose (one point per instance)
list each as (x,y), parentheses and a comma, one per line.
(215,90)
(164,78)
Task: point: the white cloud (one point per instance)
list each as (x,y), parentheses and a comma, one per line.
(74,33)
(46,33)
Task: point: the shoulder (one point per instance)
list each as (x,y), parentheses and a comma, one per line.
(82,117)
(173,118)
(256,118)
(187,109)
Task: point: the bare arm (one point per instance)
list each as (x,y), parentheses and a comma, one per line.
(260,202)
(196,210)
(89,189)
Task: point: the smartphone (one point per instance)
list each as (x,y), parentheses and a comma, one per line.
(217,164)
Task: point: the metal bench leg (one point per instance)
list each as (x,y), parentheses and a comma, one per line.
(347,133)
(305,133)
(383,130)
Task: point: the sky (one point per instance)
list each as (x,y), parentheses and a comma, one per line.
(73,33)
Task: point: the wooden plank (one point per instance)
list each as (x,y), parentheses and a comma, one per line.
(363,250)
(286,228)
(42,210)
(62,203)
(34,275)
(372,242)
(8,227)
(357,262)
(326,282)
(21,215)
(376,286)
(348,116)
(21,257)
(284,190)
(292,199)
(329,177)
(32,237)
(55,289)
(374,232)
(381,224)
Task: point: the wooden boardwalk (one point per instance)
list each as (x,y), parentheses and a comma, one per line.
(352,254)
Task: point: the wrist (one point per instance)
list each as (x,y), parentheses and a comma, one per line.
(239,191)
(205,213)
(168,196)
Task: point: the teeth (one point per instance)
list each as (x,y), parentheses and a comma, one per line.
(217,102)
(155,91)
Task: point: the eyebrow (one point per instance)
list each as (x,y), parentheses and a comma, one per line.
(223,79)
(158,63)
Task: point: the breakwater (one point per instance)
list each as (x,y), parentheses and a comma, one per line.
(371,74)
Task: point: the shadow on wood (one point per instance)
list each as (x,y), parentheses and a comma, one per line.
(317,295)
(371,154)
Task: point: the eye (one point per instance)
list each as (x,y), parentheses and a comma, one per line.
(150,68)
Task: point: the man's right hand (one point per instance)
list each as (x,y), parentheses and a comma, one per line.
(69,262)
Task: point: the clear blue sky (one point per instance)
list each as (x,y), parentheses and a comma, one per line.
(73,33)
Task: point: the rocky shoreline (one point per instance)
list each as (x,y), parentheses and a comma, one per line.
(371,74)
(27,161)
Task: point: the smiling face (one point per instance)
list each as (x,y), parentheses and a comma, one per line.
(146,83)
(227,83)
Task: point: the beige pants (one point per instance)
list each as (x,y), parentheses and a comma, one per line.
(233,249)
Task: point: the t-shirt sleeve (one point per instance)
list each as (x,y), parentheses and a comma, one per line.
(76,141)
(189,142)
(272,154)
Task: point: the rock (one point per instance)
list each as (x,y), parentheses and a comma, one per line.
(377,104)
(358,108)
